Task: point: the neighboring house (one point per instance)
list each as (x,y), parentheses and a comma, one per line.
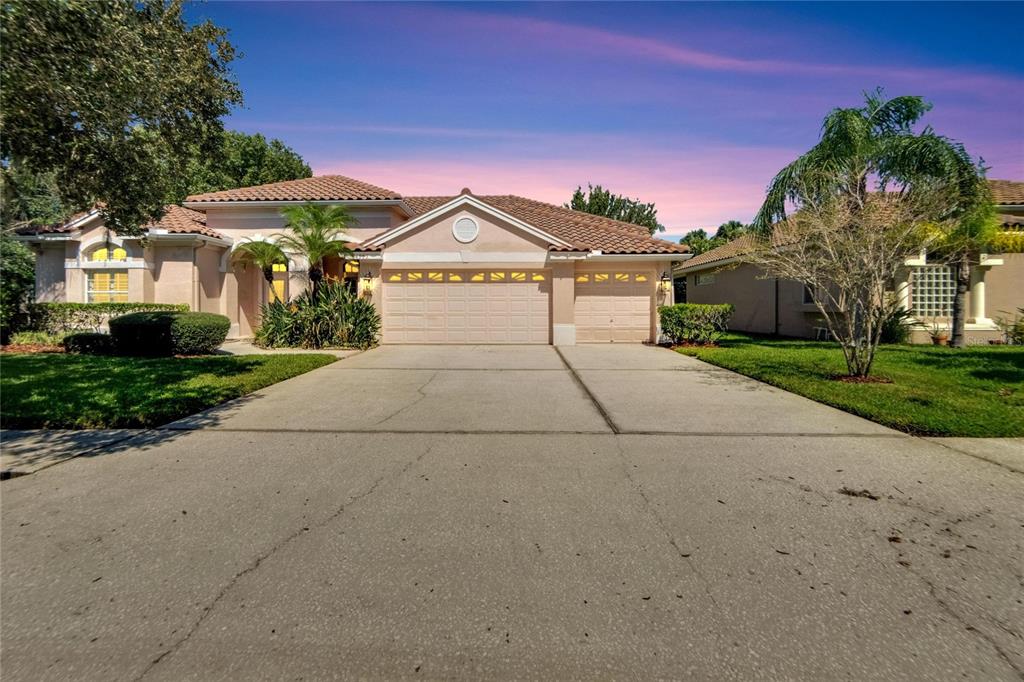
(453,269)
(768,305)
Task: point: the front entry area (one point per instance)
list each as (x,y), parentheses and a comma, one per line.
(466,306)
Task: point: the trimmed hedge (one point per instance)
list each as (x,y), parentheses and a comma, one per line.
(169,333)
(69,317)
(90,343)
(695,323)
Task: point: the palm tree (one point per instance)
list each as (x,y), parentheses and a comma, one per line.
(317,231)
(264,255)
(876,144)
(961,247)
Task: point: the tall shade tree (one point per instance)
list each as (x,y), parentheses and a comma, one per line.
(263,255)
(111,97)
(599,201)
(241,160)
(921,178)
(698,241)
(317,232)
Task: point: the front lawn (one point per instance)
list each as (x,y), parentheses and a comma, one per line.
(976,391)
(80,391)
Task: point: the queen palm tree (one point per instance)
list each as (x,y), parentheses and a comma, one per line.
(874,147)
(264,255)
(317,231)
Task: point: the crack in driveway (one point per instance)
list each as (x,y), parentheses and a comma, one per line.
(423,396)
(252,567)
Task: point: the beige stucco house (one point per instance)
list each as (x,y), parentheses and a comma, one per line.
(768,305)
(449,269)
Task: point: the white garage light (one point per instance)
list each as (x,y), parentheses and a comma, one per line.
(465,230)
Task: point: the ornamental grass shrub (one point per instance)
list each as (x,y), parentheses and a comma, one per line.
(695,323)
(164,333)
(334,316)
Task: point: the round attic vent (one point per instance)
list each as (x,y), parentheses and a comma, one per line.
(465,230)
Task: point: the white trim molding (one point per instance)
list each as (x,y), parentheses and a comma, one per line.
(458,202)
(468,257)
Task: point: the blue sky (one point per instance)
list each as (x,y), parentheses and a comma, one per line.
(693,106)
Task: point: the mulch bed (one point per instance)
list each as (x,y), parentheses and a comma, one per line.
(31,348)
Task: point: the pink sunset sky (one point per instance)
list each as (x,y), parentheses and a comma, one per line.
(691,106)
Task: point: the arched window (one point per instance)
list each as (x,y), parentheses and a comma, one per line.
(103,254)
(107,285)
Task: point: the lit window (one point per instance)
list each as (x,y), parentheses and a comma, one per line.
(107,286)
(454,277)
(621,276)
(518,276)
(395,277)
(277,290)
(536,276)
(582,278)
(103,255)
(931,291)
(476,277)
(497,277)
(435,276)
(641,278)
(280,267)
(352,267)
(415,276)
(601,277)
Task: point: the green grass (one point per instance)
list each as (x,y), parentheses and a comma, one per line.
(83,392)
(976,391)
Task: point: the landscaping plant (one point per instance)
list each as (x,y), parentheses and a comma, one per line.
(263,255)
(698,324)
(64,318)
(90,343)
(871,194)
(169,333)
(332,316)
(317,232)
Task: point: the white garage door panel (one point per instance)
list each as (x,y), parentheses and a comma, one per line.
(614,306)
(466,307)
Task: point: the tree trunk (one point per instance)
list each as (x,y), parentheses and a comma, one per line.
(315,276)
(962,277)
(268,274)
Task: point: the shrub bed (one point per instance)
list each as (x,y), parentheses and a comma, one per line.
(334,317)
(56,318)
(169,333)
(695,323)
(90,343)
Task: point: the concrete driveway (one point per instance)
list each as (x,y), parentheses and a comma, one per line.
(512,512)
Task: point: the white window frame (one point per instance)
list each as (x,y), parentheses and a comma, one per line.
(89,291)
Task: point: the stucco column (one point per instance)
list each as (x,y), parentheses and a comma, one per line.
(298,274)
(903,288)
(978,295)
(563,304)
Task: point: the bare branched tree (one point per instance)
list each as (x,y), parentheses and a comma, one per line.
(865,198)
(849,260)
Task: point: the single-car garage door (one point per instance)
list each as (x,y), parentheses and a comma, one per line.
(614,306)
(462,306)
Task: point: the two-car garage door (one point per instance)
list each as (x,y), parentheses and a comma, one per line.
(511,306)
(461,306)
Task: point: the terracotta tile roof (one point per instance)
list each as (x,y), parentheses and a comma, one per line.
(176,220)
(55,228)
(1011,222)
(585,232)
(319,188)
(726,251)
(1007,191)
(181,220)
